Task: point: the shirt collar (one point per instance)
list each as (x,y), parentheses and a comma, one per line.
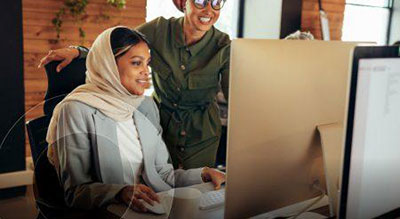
(177,33)
(180,38)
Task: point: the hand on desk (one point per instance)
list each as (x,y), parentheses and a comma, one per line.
(212,175)
(131,195)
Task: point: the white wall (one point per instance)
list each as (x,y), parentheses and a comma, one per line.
(262,19)
(395,26)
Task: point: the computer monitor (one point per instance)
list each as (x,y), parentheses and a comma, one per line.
(370,184)
(280,91)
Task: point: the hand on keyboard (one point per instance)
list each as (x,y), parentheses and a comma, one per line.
(213,175)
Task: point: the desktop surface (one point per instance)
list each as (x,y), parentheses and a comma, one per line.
(117,211)
(121,210)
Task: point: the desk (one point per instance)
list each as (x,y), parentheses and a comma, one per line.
(216,213)
(123,212)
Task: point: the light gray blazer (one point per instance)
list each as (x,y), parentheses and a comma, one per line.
(89,164)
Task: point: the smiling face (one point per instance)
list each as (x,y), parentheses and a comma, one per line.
(133,68)
(200,19)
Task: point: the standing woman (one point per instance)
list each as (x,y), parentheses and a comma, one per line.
(190,63)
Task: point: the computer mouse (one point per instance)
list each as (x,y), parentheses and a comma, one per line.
(156,208)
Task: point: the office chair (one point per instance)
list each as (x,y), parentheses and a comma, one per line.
(59,84)
(48,192)
(37,130)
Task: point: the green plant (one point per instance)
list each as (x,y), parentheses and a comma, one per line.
(57,21)
(117,3)
(77,10)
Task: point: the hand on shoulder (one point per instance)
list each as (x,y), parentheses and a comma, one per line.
(66,55)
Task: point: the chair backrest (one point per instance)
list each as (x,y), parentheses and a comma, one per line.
(59,84)
(47,189)
(37,130)
(49,194)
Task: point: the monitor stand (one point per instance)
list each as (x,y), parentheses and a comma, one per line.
(291,210)
(332,142)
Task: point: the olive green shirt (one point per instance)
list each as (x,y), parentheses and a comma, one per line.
(186,80)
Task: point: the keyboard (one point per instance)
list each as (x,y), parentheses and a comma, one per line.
(212,199)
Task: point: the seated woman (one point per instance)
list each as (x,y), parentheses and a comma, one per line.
(105,137)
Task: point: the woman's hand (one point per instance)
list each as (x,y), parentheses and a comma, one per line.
(66,55)
(212,175)
(132,196)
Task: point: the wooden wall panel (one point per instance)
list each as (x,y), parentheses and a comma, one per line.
(310,17)
(40,36)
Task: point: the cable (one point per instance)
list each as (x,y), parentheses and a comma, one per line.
(316,186)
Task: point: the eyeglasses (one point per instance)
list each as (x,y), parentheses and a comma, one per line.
(215,4)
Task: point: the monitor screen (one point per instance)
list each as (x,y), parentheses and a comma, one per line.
(373,169)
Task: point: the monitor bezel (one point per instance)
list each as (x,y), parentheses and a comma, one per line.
(363,52)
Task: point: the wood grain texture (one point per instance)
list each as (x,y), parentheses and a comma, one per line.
(40,37)
(310,17)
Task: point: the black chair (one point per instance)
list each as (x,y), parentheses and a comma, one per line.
(49,194)
(37,130)
(47,189)
(59,84)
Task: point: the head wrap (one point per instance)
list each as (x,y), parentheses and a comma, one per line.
(103,89)
(179,4)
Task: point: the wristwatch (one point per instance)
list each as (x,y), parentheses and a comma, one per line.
(80,49)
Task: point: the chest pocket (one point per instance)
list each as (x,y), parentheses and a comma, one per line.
(202,81)
(160,68)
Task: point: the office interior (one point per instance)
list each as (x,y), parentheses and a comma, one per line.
(29,30)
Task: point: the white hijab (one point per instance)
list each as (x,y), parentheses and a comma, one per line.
(103,89)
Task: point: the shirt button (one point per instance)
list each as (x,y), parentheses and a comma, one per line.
(183,133)
(183,67)
(175,105)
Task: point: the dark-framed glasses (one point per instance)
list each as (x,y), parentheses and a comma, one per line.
(215,4)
